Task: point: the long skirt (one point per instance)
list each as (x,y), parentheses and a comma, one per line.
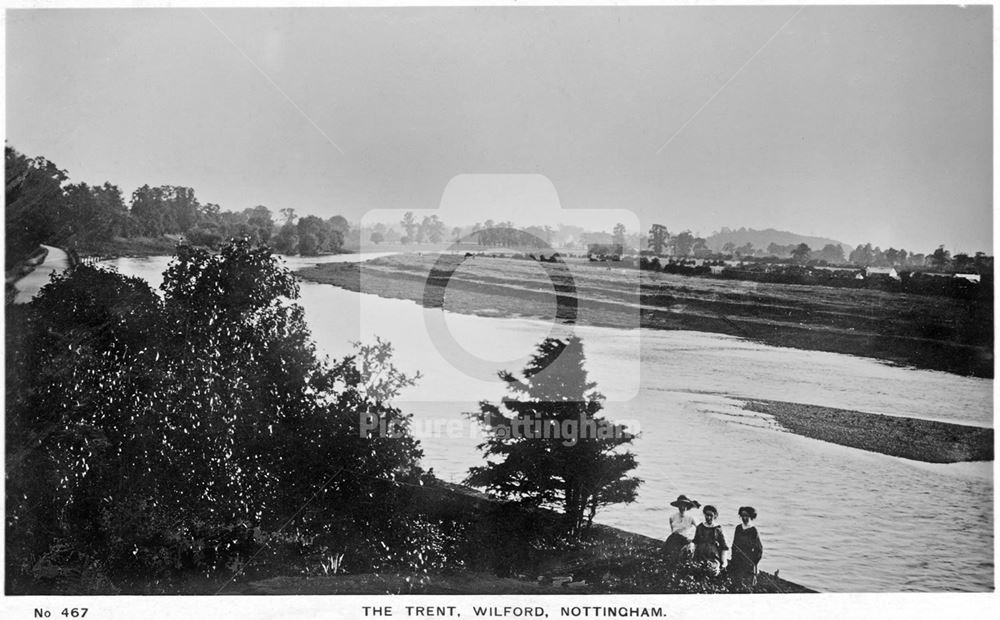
(742,567)
(677,549)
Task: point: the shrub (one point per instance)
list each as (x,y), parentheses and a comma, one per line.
(152,436)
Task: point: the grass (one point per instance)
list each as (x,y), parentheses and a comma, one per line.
(502,548)
(924,331)
(514,550)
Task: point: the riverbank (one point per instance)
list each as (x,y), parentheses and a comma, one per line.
(514,552)
(909,438)
(922,331)
(118,247)
(505,548)
(141,247)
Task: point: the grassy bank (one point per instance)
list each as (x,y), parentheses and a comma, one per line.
(140,247)
(508,549)
(127,246)
(928,332)
(909,438)
(492,547)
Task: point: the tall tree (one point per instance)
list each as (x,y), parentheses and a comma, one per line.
(288,215)
(618,233)
(551,447)
(286,241)
(940,258)
(683,243)
(340,224)
(863,255)
(35,205)
(260,223)
(409,224)
(658,238)
(316,236)
(432,229)
(700,247)
(832,253)
(801,253)
(95,212)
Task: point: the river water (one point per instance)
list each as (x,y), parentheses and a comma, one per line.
(833,518)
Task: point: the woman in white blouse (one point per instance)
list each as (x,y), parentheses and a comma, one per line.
(679,545)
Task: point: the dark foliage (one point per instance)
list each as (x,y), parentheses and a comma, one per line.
(35,211)
(43,208)
(535,459)
(150,436)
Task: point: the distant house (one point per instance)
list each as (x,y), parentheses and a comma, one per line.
(886,271)
(971,277)
(604,251)
(716,269)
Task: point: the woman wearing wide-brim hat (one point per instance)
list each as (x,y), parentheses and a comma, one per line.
(747,548)
(678,546)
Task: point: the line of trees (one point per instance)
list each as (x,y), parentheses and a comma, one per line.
(661,242)
(43,206)
(431,229)
(492,233)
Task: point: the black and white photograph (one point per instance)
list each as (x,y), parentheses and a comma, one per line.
(498,310)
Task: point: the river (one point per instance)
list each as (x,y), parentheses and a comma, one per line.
(833,518)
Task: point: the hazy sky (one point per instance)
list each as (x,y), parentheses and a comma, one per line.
(856,123)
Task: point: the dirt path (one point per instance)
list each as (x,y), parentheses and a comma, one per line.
(29,286)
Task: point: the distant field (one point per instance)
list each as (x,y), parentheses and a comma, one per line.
(924,331)
(445,246)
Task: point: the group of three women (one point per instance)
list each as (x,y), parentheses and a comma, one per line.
(705,544)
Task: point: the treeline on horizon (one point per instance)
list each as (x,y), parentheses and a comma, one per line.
(660,242)
(44,207)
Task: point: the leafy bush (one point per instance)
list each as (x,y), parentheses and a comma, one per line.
(152,436)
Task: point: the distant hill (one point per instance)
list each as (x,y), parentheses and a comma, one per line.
(762,238)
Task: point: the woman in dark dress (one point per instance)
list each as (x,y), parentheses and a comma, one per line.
(747,548)
(710,543)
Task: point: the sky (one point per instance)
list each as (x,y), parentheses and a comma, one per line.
(857,123)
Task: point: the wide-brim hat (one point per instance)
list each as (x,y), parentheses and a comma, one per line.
(747,509)
(682,500)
